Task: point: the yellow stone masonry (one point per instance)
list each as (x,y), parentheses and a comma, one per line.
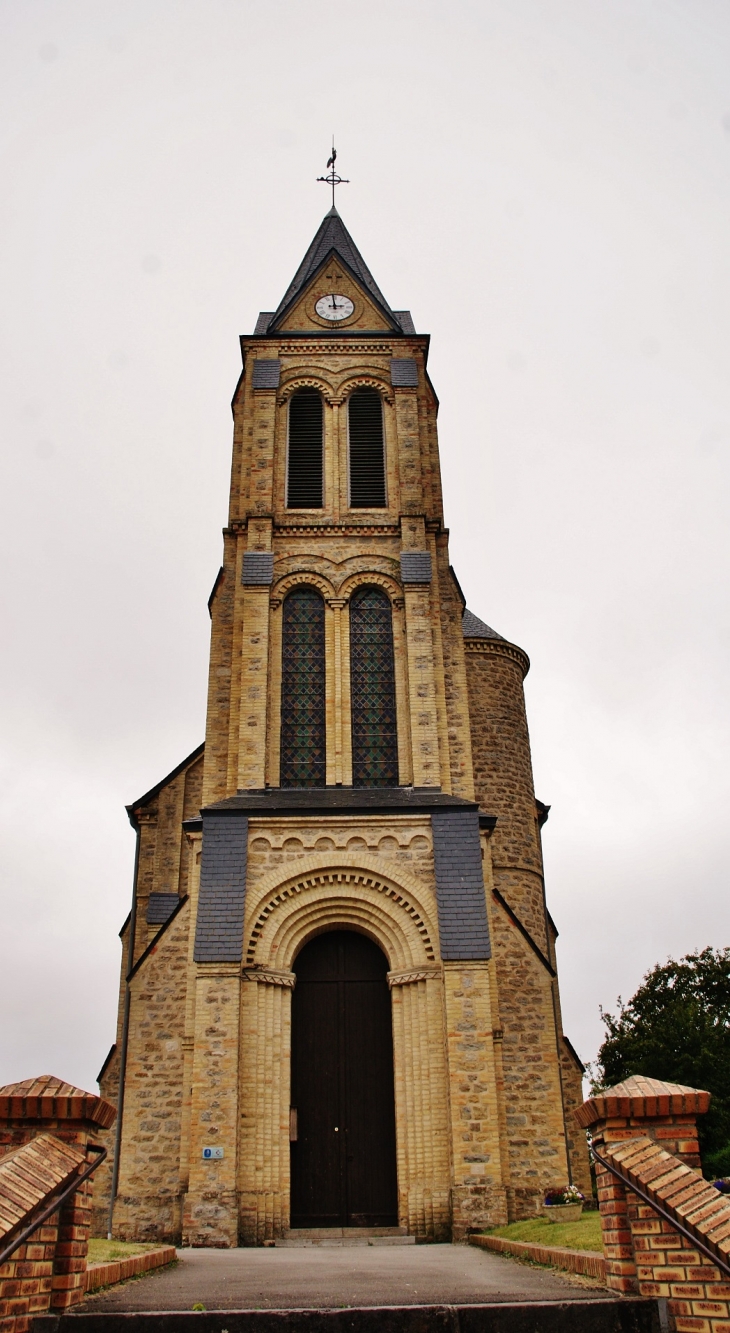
(482,1072)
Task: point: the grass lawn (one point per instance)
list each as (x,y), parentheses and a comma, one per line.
(108,1251)
(582,1235)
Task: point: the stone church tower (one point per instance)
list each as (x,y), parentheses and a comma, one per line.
(339,1003)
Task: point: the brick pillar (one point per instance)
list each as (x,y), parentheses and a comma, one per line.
(665,1113)
(51,1266)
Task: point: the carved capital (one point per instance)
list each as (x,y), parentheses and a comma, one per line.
(270,976)
(415,974)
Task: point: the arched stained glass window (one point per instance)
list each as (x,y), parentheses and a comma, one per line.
(372,678)
(303,744)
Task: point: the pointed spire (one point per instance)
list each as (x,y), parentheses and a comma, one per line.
(332,235)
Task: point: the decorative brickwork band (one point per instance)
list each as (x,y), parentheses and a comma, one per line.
(499,648)
(403,373)
(462,908)
(415,567)
(219,929)
(258,568)
(266,374)
(416,974)
(270,976)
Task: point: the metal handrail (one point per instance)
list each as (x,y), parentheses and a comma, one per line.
(57,1202)
(659,1208)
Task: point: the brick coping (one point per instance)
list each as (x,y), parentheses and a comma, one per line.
(587,1262)
(118,1270)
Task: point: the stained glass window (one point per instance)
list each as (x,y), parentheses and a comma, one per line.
(372,676)
(303,754)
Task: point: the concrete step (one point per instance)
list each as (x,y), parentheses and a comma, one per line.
(298,1237)
(626,1315)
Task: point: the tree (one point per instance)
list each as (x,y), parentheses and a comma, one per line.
(677,1028)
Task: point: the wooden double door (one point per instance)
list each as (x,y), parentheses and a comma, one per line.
(343,1165)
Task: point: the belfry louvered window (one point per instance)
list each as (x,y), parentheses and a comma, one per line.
(372,679)
(303,755)
(367,453)
(304,455)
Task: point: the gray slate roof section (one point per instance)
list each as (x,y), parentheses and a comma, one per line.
(405,320)
(219,928)
(332,235)
(263,321)
(258,568)
(266,374)
(403,372)
(415,567)
(474,628)
(460,894)
(277,801)
(160,908)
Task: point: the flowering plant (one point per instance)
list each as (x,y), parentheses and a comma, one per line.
(567,1194)
(723,1185)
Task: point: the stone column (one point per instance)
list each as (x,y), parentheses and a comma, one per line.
(409,450)
(264,1105)
(416,574)
(478,1194)
(336,704)
(210,1215)
(256,578)
(421,1102)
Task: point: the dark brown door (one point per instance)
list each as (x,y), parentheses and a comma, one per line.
(343,1160)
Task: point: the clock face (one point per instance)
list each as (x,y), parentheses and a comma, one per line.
(334,307)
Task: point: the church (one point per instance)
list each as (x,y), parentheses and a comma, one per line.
(339,1001)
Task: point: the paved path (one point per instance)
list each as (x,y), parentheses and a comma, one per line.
(275,1279)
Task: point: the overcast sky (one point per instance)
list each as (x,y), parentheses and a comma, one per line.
(546,185)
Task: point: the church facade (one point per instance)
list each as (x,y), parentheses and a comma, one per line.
(339,1001)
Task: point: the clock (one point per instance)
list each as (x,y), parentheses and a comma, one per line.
(334,307)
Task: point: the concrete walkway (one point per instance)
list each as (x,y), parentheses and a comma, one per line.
(276,1279)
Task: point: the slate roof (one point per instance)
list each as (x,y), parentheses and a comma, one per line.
(474,628)
(324,800)
(333,235)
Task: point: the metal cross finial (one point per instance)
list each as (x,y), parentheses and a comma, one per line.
(333,179)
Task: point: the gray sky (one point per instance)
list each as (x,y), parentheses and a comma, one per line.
(546,185)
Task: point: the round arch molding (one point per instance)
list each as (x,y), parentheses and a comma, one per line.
(345,898)
(365,381)
(368,579)
(306,382)
(302,579)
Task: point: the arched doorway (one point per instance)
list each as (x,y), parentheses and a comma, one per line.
(343,1169)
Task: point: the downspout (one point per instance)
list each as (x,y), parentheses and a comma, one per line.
(125,1037)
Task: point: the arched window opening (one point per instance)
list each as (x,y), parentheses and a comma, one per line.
(304,457)
(372,676)
(303,743)
(367,452)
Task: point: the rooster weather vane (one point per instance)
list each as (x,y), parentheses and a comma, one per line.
(333,178)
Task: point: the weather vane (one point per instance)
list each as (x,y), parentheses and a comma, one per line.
(333,178)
